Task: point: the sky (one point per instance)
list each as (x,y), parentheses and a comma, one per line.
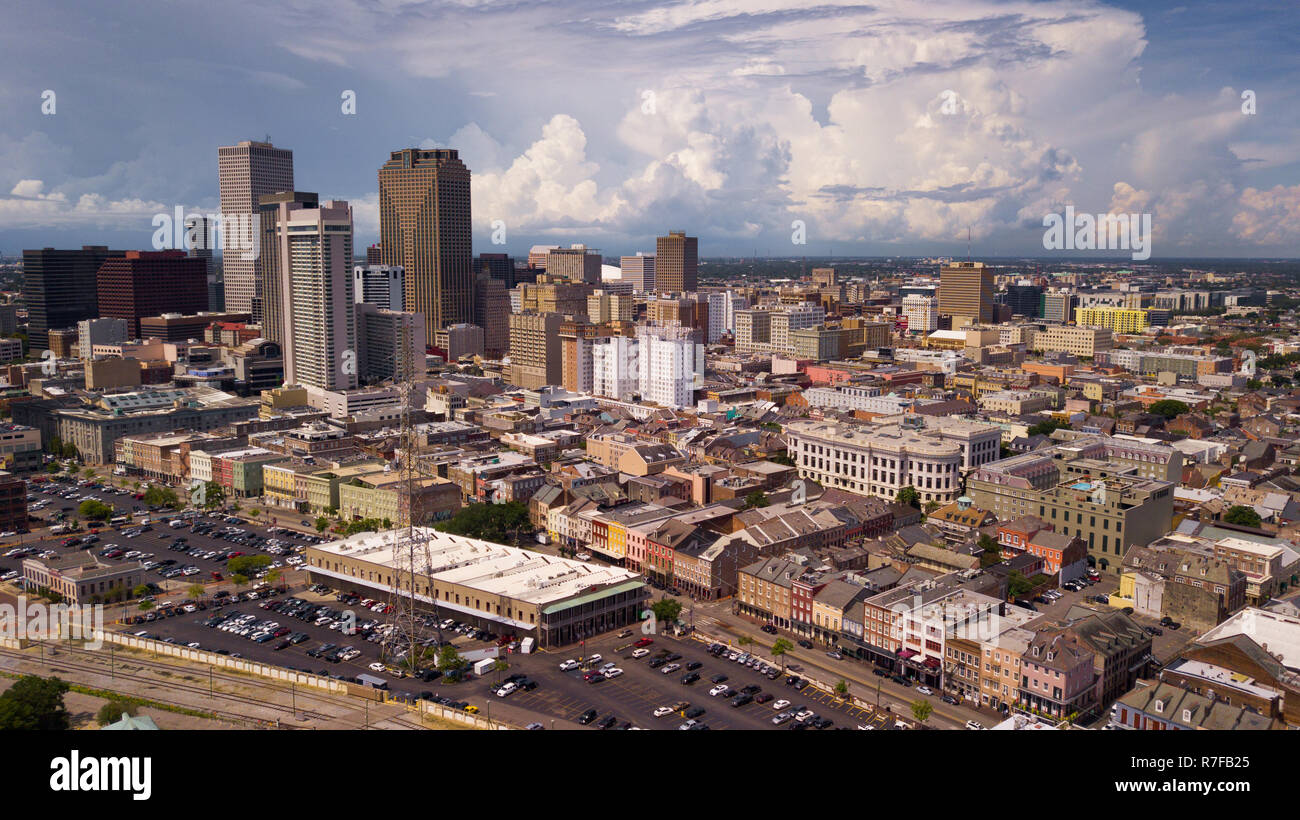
(889,128)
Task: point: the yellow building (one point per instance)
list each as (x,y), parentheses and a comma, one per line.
(1114,319)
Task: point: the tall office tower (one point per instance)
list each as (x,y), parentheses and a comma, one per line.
(576,263)
(537,256)
(576,339)
(554,297)
(639,270)
(459,340)
(786,322)
(1059,306)
(603,306)
(670,358)
(922,313)
(91,332)
(615,370)
(391,342)
(1025,300)
(59,290)
(734,302)
(379,285)
(753,330)
(424,226)
(8,319)
(492,313)
(319,312)
(246,172)
(824,277)
(677,263)
(717,316)
(274,210)
(535,358)
(374,255)
(200,239)
(498,266)
(151,283)
(966,292)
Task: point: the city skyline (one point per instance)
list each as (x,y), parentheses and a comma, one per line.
(902,132)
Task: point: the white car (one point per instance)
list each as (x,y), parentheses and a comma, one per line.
(718,690)
(569,664)
(974,724)
(508,688)
(662,711)
(924,690)
(671,668)
(780,704)
(376,667)
(613,672)
(597,658)
(640,653)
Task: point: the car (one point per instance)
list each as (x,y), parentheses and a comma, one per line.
(769,629)
(613,672)
(835,655)
(655,663)
(640,653)
(568,665)
(924,690)
(587,716)
(508,688)
(607,722)
(594,659)
(690,724)
(782,718)
(718,678)
(805,643)
(376,667)
(1175,625)
(693,665)
(662,711)
(670,668)
(644,642)
(690,678)
(741,700)
(974,724)
(762,697)
(950,700)
(1154,630)
(901,681)
(695,712)
(752,689)
(718,690)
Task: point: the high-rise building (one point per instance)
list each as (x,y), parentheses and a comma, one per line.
(603,306)
(1059,307)
(921,312)
(615,368)
(273,210)
(537,255)
(91,332)
(246,172)
(966,292)
(676,263)
(492,313)
(1025,300)
(576,339)
(670,359)
(379,285)
(498,266)
(459,340)
(577,263)
(320,326)
(424,226)
(150,283)
(639,270)
(392,343)
(535,357)
(824,277)
(59,289)
(374,255)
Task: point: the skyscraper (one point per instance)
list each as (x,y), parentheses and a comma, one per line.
(966,291)
(577,263)
(639,270)
(59,289)
(151,283)
(274,210)
(676,262)
(424,226)
(498,266)
(320,329)
(379,285)
(246,172)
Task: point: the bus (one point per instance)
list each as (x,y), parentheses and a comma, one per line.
(118,521)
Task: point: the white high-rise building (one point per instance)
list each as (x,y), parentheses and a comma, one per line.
(102,331)
(670,359)
(922,313)
(380,285)
(615,367)
(245,172)
(320,347)
(717,316)
(392,343)
(797,317)
(733,303)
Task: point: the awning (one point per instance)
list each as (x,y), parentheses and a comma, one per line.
(906,653)
(932,663)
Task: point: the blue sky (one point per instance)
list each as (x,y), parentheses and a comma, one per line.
(888,128)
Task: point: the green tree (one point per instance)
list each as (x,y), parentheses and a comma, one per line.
(757,498)
(1046,427)
(93,510)
(782,459)
(140,591)
(500,665)
(666,610)
(145,606)
(1018,584)
(1242,515)
(87,473)
(499,523)
(196,591)
(921,710)
(449,659)
(322,523)
(247,565)
(213,495)
(34,703)
(111,712)
(780,649)
(909,496)
(842,688)
(1169,408)
(162,497)
(745,641)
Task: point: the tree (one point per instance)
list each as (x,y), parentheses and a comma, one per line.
(757,498)
(34,703)
(931,506)
(1242,515)
(449,660)
(110,712)
(782,459)
(247,565)
(500,665)
(780,649)
(499,523)
(196,591)
(745,640)
(274,577)
(666,610)
(842,688)
(921,710)
(213,495)
(1046,427)
(93,510)
(140,591)
(162,497)
(322,523)
(1018,584)
(909,496)
(1169,408)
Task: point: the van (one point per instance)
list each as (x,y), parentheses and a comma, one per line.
(176,524)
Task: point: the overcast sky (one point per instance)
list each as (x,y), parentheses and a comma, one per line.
(886,128)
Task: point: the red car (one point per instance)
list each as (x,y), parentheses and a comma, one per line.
(644,642)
